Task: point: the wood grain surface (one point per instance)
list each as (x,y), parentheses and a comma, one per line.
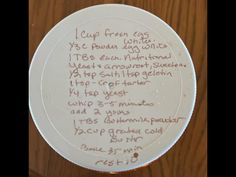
(188,157)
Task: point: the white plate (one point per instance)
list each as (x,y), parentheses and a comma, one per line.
(143,110)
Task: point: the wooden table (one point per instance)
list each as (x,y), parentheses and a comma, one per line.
(188,157)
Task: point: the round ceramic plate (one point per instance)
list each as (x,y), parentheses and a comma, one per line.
(111,88)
